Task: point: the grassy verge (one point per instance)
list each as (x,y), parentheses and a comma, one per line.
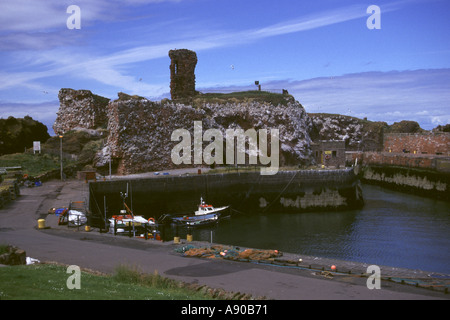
(32,164)
(49,282)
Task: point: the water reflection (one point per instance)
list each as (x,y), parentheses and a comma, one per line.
(393,229)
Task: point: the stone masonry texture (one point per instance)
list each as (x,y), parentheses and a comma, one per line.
(140,130)
(419,143)
(80,109)
(182,73)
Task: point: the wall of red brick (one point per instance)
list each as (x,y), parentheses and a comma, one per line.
(424,161)
(418,143)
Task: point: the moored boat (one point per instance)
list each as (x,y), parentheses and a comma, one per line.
(127,223)
(138,226)
(205,215)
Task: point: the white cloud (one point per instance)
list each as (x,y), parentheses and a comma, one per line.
(39,24)
(23,15)
(42,15)
(419,95)
(379,96)
(440,120)
(106,68)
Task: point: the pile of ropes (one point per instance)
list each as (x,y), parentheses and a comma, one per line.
(434,282)
(233,253)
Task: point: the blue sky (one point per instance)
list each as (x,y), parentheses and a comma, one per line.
(321,51)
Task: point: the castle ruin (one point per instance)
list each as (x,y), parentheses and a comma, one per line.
(182,73)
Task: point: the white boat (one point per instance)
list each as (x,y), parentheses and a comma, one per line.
(128,224)
(205,215)
(124,219)
(204,208)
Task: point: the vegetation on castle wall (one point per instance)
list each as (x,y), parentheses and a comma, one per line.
(244,96)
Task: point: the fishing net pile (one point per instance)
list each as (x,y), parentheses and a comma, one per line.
(231,253)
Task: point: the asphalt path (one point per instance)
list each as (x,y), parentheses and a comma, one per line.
(104,252)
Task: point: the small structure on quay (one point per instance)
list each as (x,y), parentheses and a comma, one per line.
(330,153)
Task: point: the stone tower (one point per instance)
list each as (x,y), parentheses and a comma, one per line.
(182,73)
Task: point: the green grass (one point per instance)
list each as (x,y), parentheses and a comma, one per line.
(49,282)
(244,96)
(32,164)
(3,248)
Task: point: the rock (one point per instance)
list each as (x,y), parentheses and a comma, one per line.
(358,134)
(13,256)
(140,130)
(80,108)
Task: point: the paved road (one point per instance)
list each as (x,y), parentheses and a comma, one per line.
(104,252)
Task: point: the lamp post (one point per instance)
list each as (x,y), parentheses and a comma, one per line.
(61,155)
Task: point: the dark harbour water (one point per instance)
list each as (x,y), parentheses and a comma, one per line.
(393,229)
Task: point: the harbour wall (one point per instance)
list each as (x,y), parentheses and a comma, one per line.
(422,174)
(247,192)
(424,182)
(429,162)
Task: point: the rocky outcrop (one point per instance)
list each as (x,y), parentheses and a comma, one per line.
(80,108)
(358,134)
(13,256)
(140,130)
(405,126)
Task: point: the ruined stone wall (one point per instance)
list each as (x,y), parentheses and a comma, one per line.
(140,133)
(140,130)
(419,143)
(182,73)
(80,109)
(358,134)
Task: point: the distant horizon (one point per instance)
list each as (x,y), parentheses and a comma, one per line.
(314,102)
(383,60)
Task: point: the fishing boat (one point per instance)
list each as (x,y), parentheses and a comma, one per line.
(205,215)
(131,225)
(123,219)
(126,223)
